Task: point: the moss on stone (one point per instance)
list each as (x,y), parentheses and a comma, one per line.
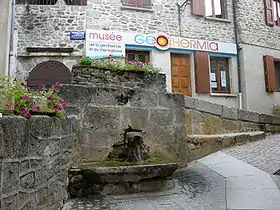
(120,163)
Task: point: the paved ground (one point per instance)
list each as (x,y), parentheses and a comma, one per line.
(234,179)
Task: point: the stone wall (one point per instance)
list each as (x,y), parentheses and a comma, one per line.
(35,156)
(48,26)
(252,27)
(162,17)
(127,79)
(205,118)
(106,112)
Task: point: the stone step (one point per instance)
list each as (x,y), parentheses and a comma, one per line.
(202,145)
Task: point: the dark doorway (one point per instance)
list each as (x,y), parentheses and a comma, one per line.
(49,73)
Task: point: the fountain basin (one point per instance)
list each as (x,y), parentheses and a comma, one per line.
(86,180)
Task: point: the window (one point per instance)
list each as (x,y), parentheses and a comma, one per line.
(219,75)
(277,73)
(214,8)
(209,8)
(137,3)
(143,56)
(276,9)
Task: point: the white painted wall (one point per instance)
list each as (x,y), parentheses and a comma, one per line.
(162,60)
(253,79)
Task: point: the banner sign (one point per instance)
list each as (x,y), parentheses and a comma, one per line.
(104,43)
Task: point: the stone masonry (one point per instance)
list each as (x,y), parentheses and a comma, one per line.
(48,26)
(128,79)
(35,156)
(162,17)
(252,28)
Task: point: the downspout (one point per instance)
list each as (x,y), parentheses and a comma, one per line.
(179,19)
(9,35)
(238,55)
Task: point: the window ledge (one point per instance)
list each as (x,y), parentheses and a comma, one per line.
(142,9)
(224,95)
(218,19)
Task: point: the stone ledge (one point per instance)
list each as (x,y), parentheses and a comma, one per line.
(141,9)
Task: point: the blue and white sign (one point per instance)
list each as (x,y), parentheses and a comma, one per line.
(77,35)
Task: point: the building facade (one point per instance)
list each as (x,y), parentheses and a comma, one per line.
(259,35)
(218,48)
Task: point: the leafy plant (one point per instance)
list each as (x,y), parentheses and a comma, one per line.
(116,65)
(85,61)
(27,101)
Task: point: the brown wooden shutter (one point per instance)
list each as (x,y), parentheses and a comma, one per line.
(130,2)
(268,7)
(198,7)
(202,81)
(269,71)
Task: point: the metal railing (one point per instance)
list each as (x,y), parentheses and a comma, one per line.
(51,2)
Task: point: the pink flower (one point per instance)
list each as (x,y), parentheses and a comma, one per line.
(26,98)
(57,85)
(23,84)
(50,98)
(57,107)
(40,86)
(27,114)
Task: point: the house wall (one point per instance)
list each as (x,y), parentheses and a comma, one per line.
(256,40)
(48,26)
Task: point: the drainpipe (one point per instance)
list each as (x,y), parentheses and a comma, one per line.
(9,35)
(238,54)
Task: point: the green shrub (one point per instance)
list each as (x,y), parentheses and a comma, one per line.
(85,61)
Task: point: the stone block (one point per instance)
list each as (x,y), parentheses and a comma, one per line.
(189,102)
(35,163)
(41,176)
(249,126)
(41,126)
(62,126)
(229,126)
(77,95)
(248,116)
(91,154)
(14,139)
(170,100)
(23,166)
(42,198)
(10,202)
(230,113)
(194,122)
(208,107)
(10,177)
(144,99)
(179,116)
(23,200)
(72,110)
(135,117)
(113,96)
(161,116)
(27,181)
(211,124)
(101,118)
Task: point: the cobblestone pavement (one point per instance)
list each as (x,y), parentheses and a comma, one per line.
(264,155)
(200,188)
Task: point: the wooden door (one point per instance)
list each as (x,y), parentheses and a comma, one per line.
(180,72)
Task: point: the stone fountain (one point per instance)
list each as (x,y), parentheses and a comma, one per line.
(129,168)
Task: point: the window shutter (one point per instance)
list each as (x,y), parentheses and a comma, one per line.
(202,81)
(268,6)
(130,2)
(198,7)
(269,71)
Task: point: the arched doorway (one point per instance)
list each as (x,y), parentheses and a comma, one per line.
(49,73)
